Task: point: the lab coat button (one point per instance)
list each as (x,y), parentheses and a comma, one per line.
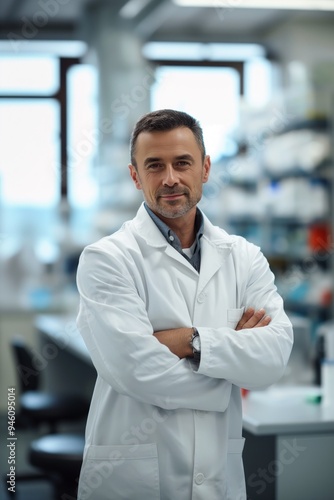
(199,479)
(201,297)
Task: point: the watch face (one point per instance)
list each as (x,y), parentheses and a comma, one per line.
(197,343)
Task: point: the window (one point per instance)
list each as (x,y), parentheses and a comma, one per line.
(32,109)
(42,136)
(209,94)
(29,145)
(28,75)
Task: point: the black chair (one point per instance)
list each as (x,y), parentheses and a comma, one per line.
(37,407)
(59,458)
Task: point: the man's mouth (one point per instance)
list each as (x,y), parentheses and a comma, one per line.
(171,196)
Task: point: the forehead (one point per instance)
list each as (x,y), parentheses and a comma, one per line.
(176,142)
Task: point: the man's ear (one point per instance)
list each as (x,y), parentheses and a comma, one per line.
(135,176)
(206,169)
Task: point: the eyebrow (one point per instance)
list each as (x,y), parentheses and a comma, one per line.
(152,159)
(184,157)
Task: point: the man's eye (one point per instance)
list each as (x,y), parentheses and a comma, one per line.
(183,163)
(154,166)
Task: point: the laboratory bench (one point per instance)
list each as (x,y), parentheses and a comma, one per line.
(289,451)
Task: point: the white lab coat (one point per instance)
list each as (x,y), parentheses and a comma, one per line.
(160,427)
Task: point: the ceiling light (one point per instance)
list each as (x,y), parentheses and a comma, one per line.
(61,48)
(260,4)
(191,51)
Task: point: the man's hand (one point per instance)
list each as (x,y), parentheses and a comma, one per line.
(252,319)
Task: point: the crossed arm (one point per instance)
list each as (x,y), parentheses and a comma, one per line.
(178,339)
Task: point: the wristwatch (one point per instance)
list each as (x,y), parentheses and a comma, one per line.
(195,343)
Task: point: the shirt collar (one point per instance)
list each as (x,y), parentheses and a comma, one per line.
(169,234)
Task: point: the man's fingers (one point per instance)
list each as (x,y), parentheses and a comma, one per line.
(252,319)
(255,319)
(264,321)
(245,317)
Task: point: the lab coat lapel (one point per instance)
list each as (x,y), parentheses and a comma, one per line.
(216,246)
(147,229)
(174,254)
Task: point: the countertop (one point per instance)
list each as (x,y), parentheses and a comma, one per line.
(286,410)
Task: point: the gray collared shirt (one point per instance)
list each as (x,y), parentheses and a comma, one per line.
(174,241)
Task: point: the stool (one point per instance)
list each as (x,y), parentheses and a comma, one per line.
(59,458)
(39,407)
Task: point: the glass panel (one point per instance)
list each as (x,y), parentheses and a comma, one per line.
(29,75)
(258,82)
(83,139)
(29,152)
(209,94)
(83,135)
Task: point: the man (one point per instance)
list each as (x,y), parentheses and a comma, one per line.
(178,316)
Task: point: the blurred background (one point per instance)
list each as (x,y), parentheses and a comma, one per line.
(75,75)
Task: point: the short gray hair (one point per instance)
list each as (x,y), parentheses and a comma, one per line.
(164,120)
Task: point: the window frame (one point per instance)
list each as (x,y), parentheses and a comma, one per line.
(65,63)
(239,66)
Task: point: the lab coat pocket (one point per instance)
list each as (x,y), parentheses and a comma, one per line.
(235,472)
(234,316)
(120,472)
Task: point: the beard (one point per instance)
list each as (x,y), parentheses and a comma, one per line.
(171,209)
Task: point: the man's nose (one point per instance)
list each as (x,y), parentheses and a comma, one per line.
(170,176)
